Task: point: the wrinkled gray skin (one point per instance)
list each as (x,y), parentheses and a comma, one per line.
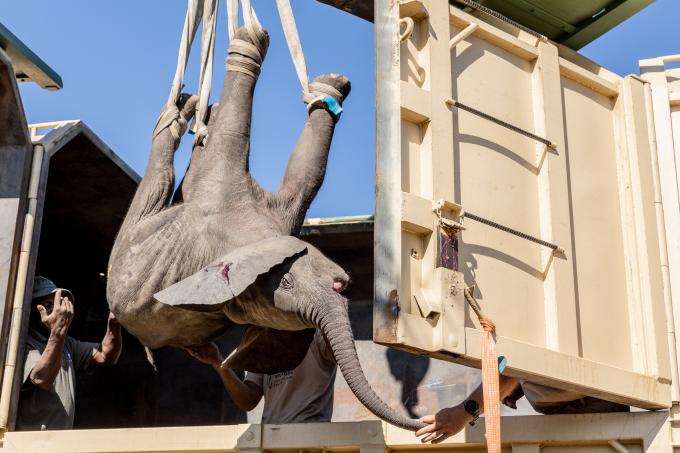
(219,210)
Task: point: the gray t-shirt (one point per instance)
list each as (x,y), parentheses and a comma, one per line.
(304,394)
(54,408)
(541,395)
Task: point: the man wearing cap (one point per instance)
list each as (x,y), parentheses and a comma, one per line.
(47,398)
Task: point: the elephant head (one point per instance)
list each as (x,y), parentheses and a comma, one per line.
(282,286)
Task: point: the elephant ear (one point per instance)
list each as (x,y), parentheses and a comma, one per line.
(269,351)
(229,276)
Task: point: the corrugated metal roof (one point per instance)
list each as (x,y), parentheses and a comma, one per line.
(573,23)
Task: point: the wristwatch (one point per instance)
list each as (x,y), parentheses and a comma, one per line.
(472,408)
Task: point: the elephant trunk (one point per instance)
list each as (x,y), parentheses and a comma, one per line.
(333,321)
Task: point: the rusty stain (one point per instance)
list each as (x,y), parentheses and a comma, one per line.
(447,250)
(385,326)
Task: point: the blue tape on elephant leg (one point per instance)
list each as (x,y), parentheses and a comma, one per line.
(502,363)
(333,106)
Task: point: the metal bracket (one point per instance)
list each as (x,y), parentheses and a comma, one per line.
(438,206)
(427,307)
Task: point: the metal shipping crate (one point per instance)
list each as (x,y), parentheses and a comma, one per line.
(510,164)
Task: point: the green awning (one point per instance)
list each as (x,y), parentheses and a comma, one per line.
(27,65)
(573,23)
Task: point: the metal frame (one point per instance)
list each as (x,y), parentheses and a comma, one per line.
(665,139)
(647,432)
(15,166)
(52,143)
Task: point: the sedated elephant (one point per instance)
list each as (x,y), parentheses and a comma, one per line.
(231,245)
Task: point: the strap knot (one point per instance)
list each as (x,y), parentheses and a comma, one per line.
(201,135)
(171,117)
(321,90)
(487,325)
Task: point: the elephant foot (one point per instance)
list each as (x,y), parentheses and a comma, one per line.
(339,85)
(247,50)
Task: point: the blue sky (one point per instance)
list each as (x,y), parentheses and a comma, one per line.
(117,60)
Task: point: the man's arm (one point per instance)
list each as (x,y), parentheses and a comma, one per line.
(246,394)
(111,346)
(44,372)
(451,420)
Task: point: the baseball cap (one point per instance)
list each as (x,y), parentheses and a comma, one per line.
(44,287)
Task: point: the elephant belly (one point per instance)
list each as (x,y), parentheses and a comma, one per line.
(142,269)
(168,326)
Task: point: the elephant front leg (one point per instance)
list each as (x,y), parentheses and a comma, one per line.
(153,193)
(307,164)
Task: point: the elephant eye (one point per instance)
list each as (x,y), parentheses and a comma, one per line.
(287,282)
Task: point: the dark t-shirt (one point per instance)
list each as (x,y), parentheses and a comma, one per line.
(54,408)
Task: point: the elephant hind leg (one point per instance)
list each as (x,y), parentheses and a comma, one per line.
(184,193)
(223,162)
(154,191)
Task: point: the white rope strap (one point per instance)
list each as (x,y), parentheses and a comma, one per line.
(210,10)
(171,116)
(170,112)
(245,57)
(314,93)
(294,45)
(250,19)
(323,89)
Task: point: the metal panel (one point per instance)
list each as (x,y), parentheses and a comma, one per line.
(546,160)
(15,162)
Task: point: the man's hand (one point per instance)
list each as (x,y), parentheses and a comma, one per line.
(59,319)
(207,353)
(113,321)
(444,424)
(112,344)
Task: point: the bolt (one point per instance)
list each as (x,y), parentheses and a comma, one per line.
(249,435)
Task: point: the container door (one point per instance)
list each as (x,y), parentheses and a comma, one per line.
(522,173)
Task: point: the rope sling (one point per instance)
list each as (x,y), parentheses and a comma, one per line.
(171,117)
(243,57)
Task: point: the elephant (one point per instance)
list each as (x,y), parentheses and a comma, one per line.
(223,251)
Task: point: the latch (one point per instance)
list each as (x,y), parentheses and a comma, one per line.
(438,206)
